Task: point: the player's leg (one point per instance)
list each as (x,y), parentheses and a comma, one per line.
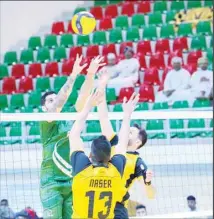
(120,211)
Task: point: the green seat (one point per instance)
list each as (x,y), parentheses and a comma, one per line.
(132,34)
(27,56)
(3,132)
(201,103)
(93,127)
(3,101)
(15,130)
(43,55)
(10,58)
(177,124)
(99,37)
(118,108)
(79,81)
(100,3)
(155,18)
(198,42)
(153,125)
(17,101)
(59,82)
(150,33)
(69,109)
(59,53)
(211,123)
(114,125)
(115,1)
(34,42)
(185,29)
(72,98)
(136,122)
(160,6)
(77,10)
(180,104)
(122,22)
(138,20)
(209,133)
(43,84)
(28,109)
(160,106)
(34,130)
(204,27)
(196,124)
(66,40)
(177,5)
(142,106)
(50,41)
(167,31)
(193,4)
(8,110)
(115,35)
(110,94)
(170,16)
(210,54)
(208,3)
(83,40)
(34,99)
(3,71)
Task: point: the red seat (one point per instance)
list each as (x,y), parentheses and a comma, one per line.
(191,68)
(97,12)
(105,24)
(111,11)
(141,59)
(144,47)
(123,46)
(109,48)
(180,43)
(127,8)
(151,76)
(162,46)
(85,60)
(51,69)
(92,51)
(18,70)
(177,53)
(146,93)
(67,66)
(157,60)
(25,85)
(125,92)
(9,85)
(35,69)
(144,7)
(74,51)
(58,28)
(69,28)
(194,56)
(165,72)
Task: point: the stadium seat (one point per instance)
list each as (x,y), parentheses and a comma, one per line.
(138,20)
(191,67)
(110,95)
(108,48)
(210,54)
(185,29)
(167,31)
(66,40)
(10,58)
(99,37)
(150,33)
(177,53)
(193,4)
(58,28)
(72,98)
(155,125)
(3,133)
(79,9)
(97,12)
(160,106)
(50,41)
(69,28)
(51,69)
(208,4)
(59,82)
(93,127)
(74,51)
(204,27)
(111,11)
(3,102)
(122,22)
(43,84)
(87,61)
(34,99)
(195,124)
(43,55)
(8,85)
(144,47)
(142,106)
(125,92)
(157,60)
(79,81)
(193,57)
(162,46)
(146,93)
(17,101)
(27,56)
(25,85)
(177,124)
(170,16)
(118,108)
(143,7)
(34,130)
(141,59)
(123,45)
(180,104)
(177,5)
(105,24)
(83,40)
(92,51)
(132,34)
(15,132)
(100,3)
(18,70)
(198,42)
(34,42)
(160,6)
(180,43)
(67,66)
(201,103)
(151,76)
(3,71)
(155,18)
(35,69)
(115,35)
(127,8)
(59,53)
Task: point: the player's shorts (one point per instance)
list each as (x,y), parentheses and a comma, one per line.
(56,198)
(120,212)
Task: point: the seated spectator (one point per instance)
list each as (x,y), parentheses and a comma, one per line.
(141,210)
(176,81)
(27,213)
(5,211)
(191,202)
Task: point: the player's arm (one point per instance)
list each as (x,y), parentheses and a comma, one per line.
(88,83)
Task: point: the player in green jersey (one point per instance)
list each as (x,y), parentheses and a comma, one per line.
(56,172)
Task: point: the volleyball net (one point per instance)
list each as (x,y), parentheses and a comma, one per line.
(179,151)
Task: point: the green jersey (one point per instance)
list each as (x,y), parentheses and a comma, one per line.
(56,151)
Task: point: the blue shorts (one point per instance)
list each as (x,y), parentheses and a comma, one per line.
(120,212)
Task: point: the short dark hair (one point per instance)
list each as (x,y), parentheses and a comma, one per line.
(142,135)
(100,150)
(4,200)
(43,98)
(140,206)
(191,198)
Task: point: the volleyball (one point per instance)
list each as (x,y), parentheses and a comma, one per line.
(83,23)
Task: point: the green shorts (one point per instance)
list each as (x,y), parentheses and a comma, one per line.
(56,198)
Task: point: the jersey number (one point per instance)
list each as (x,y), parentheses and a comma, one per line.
(103,195)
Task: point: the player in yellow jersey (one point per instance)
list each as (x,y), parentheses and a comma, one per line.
(97,184)
(135,167)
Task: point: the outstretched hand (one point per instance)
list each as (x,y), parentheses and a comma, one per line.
(77,68)
(130,105)
(95,98)
(95,64)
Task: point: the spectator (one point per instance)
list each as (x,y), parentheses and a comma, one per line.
(27,213)
(141,210)
(5,211)
(176,81)
(191,202)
